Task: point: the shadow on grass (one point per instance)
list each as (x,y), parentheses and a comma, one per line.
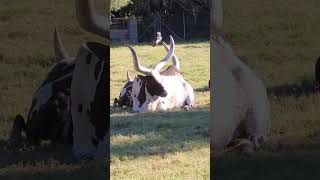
(45,161)
(284,165)
(305,87)
(279,159)
(203,89)
(24,153)
(139,135)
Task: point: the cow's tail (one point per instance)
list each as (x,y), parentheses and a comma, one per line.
(16,131)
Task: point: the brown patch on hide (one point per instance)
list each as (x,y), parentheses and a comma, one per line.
(94,142)
(170,71)
(142,93)
(59,70)
(97,70)
(88,58)
(153,87)
(100,105)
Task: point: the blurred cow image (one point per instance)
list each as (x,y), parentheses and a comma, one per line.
(72,105)
(88,98)
(240,106)
(49,116)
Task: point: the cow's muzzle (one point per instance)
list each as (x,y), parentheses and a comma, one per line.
(164,94)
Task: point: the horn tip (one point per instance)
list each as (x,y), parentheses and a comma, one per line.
(171,39)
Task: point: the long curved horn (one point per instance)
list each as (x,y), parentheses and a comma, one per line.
(59,50)
(90,20)
(128,76)
(175,59)
(136,63)
(167,57)
(217,13)
(216,19)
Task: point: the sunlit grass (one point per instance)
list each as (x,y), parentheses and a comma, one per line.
(167,145)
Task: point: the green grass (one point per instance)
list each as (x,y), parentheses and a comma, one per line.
(26,56)
(278,39)
(162,145)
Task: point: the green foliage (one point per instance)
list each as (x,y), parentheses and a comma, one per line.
(147,7)
(118,4)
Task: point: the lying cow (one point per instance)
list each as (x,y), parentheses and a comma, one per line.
(125,98)
(50,114)
(49,117)
(82,80)
(160,90)
(240,106)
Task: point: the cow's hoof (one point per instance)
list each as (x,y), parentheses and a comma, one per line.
(245,147)
(16,131)
(187,108)
(247,150)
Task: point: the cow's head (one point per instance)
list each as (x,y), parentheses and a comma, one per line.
(151,85)
(125,98)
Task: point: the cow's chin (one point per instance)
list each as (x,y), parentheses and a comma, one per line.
(164,94)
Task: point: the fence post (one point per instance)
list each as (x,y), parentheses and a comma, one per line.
(133,30)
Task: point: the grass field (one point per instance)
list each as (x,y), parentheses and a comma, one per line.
(279,40)
(167,145)
(26,56)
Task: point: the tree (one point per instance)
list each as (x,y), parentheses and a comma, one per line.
(160,6)
(118,4)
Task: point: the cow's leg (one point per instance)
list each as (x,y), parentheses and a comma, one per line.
(190,99)
(257,127)
(115,103)
(244,146)
(16,131)
(187,107)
